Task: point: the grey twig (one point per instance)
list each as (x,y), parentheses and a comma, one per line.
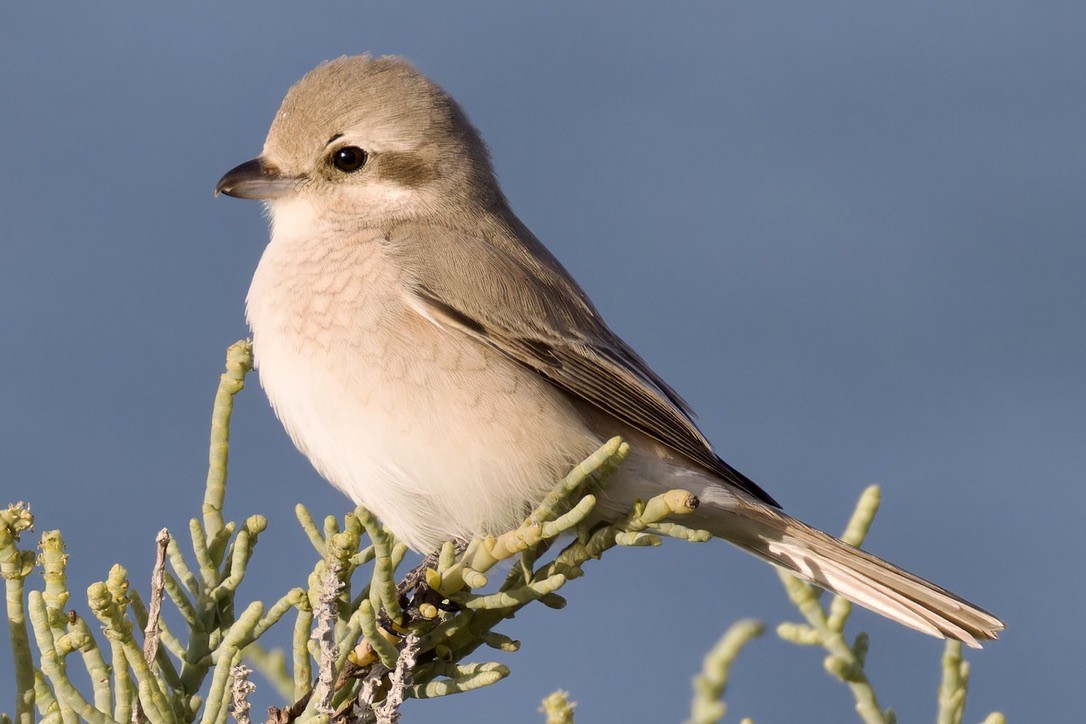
(154,609)
(363,709)
(388,712)
(240,689)
(325,635)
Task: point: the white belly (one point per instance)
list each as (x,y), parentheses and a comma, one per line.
(422,425)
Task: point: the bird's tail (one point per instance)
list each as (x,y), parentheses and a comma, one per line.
(843,569)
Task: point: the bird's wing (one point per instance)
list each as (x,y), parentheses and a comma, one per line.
(524,304)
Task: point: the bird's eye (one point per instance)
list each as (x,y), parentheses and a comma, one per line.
(349,159)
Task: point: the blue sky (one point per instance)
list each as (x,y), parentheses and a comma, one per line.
(850,234)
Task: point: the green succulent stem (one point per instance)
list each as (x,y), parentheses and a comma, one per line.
(361,643)
(708,706)
(239,361)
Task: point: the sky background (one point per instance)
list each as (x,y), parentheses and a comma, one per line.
(851,234)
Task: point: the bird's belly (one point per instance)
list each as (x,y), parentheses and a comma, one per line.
(437,434)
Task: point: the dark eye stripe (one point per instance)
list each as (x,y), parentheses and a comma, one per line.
(406,169)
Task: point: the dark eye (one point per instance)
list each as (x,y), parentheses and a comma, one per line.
(349,159)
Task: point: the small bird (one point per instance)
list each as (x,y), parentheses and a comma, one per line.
(438,365)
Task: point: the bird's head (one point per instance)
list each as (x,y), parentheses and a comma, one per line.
(369,138)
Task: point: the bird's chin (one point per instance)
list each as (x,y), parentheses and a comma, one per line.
(292,217)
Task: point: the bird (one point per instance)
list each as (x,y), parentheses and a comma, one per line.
(436,363)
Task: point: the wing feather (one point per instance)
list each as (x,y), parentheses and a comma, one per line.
(524,304)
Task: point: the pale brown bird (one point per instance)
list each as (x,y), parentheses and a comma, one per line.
(439,366)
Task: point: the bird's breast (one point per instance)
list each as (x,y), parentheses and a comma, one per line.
(439,435)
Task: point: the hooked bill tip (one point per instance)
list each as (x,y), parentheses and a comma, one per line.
(255,179)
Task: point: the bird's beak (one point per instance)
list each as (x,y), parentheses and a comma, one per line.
(256,179)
